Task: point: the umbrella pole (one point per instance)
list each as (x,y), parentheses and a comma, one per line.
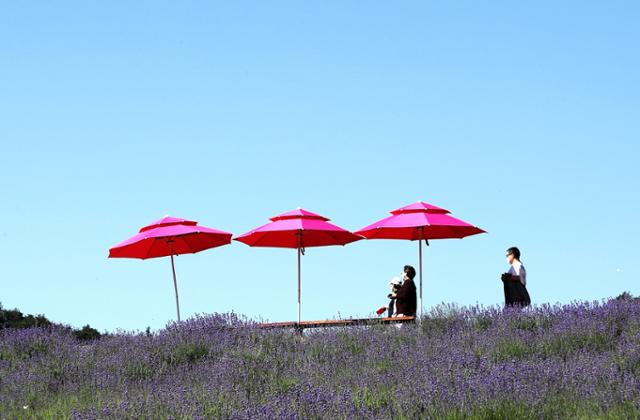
(421,304)
(299,275)
(175,286)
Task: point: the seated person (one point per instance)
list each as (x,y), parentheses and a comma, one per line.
(394,285)
(406,300)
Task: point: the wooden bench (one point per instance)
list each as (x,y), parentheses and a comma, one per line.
(337,323)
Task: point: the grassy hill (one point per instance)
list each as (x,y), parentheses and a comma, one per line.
(574,361)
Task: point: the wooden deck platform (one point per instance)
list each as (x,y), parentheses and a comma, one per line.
(337,323)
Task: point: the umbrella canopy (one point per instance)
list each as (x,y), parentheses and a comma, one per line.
(298,229)
(419,221)
(170,236)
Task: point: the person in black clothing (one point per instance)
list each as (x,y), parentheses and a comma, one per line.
(515,281)
(406,301)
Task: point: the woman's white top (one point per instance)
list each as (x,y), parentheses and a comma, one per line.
(517,269)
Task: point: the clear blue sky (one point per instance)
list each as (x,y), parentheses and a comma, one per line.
(520,117)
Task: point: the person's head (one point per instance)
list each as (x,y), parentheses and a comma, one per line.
(394,284)
(512,254)
(409,272)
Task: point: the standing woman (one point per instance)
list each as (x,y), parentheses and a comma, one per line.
(515,280)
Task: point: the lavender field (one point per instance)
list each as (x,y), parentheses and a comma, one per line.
(574,361)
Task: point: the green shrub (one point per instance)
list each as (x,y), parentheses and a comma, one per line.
(86,333)
(511,349)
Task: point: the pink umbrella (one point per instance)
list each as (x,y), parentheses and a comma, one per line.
(298,229)
(419,221)
(170,236)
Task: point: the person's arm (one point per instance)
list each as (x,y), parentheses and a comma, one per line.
(510,277)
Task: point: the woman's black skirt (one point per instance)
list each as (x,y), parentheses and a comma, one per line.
(515,293)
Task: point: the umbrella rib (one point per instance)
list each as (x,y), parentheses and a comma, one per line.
(151,242)
(185,243)
(259,239)
(330,233)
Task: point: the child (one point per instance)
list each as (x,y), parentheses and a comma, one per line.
(394,286)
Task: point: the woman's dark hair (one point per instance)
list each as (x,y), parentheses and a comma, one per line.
(515,251)
(410,271)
